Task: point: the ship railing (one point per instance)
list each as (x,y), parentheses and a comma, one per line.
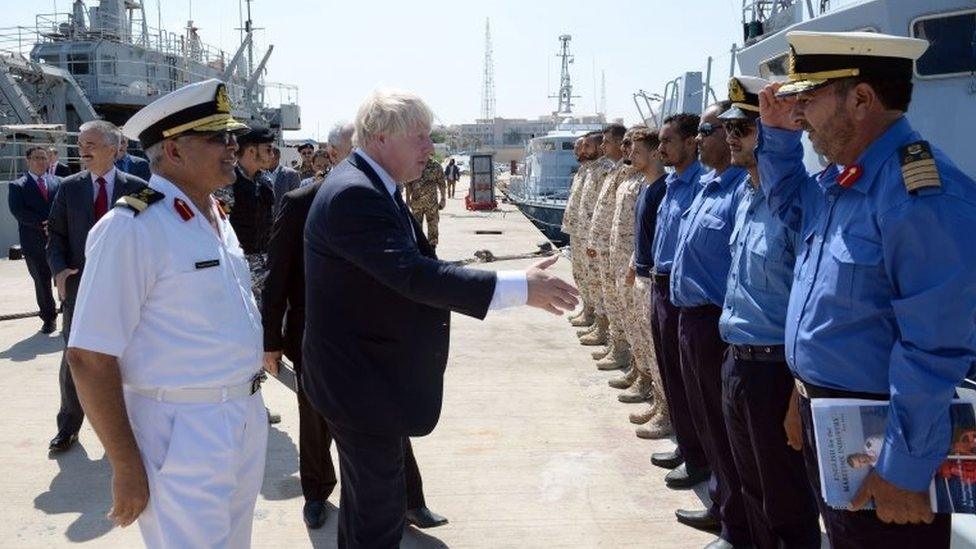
(545,189)
(17,138)
(17,40)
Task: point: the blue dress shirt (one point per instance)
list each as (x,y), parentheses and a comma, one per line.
(702,259)
(884,290)
(681,189)
(758,291)
(645,219)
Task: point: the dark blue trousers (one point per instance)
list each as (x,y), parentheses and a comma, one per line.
(702,354)
(40,272)
(863,529)
(380,481)
(664,331)
(780,506)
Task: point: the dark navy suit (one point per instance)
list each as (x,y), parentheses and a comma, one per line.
(72,216)
(134,165)
(377,327)
(31,208)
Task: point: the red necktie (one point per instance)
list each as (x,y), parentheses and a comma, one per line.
(43,187)
(101,201)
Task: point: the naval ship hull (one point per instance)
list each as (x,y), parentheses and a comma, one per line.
(548,218)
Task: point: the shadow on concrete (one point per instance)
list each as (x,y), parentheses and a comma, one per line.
(325,537)
(280,479)
(82,486)
(35,345)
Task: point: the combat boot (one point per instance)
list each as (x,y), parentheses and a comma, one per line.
(658,427)
(599,335)
(617,360)
(587,330)
(584,319)
(599,354)
(624,380)
(638,392)
(643,416)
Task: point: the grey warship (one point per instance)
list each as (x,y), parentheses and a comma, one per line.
(104,60)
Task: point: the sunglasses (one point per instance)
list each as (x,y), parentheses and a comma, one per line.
(216,138)
(739,128)
(706,129)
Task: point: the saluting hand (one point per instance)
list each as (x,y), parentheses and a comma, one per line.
(549,292)
(777,112)
(130,494)
(893,504)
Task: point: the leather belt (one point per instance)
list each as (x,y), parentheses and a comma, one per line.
(760,353)
(202,395)
(808,390)
(663,278)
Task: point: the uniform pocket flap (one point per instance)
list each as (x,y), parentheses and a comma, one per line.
(848,248)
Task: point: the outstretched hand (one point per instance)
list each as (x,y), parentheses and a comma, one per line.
(547,291)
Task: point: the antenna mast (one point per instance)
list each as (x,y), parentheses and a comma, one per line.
(488,91)
(603,93)
(565,107)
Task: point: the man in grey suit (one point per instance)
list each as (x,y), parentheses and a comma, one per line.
(285,179)
(81,200)
(29,199)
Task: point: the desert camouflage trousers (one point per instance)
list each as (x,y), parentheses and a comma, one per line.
(432,215)
(594,273)
(578,256)
(642,344)
(614,302)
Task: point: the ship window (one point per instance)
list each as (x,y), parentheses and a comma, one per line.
(775,67)
(107,65)
(567,145)
(78,63)
(952,44)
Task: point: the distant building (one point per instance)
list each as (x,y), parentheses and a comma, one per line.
(500,133)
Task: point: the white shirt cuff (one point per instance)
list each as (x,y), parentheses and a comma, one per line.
(511,290)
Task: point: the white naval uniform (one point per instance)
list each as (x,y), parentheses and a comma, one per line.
(172,300)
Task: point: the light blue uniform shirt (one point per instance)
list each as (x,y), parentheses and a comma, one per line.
(702,259)
(758,291)
(884,289)
(681,189)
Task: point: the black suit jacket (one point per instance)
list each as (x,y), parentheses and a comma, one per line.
(62,170)
(31,210)
(378,308)
(283,296)
(73,215)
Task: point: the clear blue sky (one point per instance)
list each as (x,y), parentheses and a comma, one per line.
(336,52)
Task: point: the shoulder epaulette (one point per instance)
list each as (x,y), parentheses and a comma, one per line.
(139,200)
(918,167)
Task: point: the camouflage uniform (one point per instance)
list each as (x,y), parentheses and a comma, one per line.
(621,248)
(256,253)
(569,220)
(598,238)
(423,200)
(598,172)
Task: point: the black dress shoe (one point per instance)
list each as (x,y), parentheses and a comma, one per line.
(682,477)
(314,514)
(667,460)
(700,520)
(422,517)
(62,442)
(49,326)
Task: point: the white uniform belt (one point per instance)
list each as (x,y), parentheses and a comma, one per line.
(198,395)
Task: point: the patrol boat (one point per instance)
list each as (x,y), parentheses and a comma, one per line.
(542,190)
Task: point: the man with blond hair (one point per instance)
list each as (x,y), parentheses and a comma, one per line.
(378,306)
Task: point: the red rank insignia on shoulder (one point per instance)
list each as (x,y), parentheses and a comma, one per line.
(183,209)
(850,175)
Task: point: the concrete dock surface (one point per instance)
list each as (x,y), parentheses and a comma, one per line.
(532,449)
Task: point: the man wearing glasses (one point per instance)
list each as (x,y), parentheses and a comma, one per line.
(166,350)
(698,279)
(756,382)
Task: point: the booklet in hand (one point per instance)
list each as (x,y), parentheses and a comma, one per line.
(850,433)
